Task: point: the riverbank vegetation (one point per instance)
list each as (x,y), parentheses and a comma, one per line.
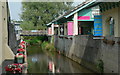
(48,46)
(33,40)
(38,44)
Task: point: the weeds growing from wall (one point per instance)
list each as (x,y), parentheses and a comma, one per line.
(100,66)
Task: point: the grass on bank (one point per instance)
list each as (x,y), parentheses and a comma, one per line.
(47,46)
(38,45)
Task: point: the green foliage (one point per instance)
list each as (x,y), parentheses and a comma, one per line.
(100,66)
(35,39)
(47,46)
(43,47)
(34,49)
(28,41)
(36,15)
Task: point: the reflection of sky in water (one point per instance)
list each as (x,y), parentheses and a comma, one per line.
(34,59)
(39,64)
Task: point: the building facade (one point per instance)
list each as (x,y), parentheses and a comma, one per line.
(84,21)
(110,18)
(18,30)
(78,21)
(5,51)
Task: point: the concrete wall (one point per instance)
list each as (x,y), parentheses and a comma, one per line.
(0,40)
(106,15)
(12,41)
(5,51)
(119,40)
(119,21)
(87,51)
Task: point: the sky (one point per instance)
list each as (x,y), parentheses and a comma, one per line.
(16,9)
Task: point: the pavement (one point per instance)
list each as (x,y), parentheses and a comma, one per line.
(5,63)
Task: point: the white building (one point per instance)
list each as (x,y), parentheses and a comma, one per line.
(18,30)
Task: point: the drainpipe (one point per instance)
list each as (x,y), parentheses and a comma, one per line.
(75,27)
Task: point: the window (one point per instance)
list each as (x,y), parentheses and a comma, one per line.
(109,26)
(111,22)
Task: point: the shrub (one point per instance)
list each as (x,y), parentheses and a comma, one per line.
(35,39)
(48,46)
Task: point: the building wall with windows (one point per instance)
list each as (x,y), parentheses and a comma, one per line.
(18,30)
(110,19)
(107,15)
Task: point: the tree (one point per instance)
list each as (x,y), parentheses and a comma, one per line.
(36,15)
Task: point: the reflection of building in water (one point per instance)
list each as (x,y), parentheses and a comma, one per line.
(100,19)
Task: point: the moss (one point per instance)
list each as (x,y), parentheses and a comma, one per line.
(100,66)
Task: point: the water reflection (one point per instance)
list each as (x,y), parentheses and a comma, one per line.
(41,63)
(34,59)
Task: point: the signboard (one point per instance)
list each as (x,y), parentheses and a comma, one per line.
(97,25)
(70,28)
(83,17)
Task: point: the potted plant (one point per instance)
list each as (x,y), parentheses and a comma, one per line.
(22,46)
(23,42)
(19,58)
(21,50)
(13,69)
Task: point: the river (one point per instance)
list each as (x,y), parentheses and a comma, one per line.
(38,63)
